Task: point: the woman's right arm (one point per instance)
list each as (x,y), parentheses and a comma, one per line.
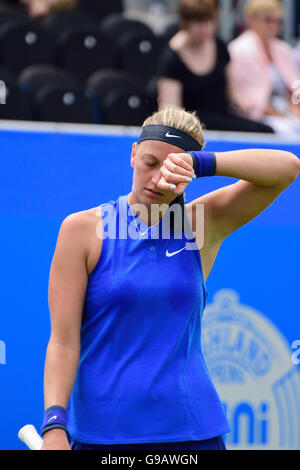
(169,92)
(67,288)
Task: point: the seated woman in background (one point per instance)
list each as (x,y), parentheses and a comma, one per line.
(264,73)
(297,50)
(39,8)
(193,71)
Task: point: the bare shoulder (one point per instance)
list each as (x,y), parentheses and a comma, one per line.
(208,243)
(82,229)
(80,223)
(178,41)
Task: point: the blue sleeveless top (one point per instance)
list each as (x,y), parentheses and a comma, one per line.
(141,375)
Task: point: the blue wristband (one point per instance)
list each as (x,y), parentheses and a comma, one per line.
(204,163)
(54,417)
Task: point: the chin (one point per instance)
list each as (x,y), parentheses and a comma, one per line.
(143,197)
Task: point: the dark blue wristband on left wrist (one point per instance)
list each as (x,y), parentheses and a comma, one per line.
(54,417)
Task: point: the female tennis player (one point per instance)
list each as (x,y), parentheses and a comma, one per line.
(124,366)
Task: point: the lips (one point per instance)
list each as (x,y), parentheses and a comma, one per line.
(154,192)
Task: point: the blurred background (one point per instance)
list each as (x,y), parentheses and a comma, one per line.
(94,62)
(78,78)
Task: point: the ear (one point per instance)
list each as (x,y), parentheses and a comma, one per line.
(133,154)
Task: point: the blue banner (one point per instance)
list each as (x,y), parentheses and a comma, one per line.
(251,329)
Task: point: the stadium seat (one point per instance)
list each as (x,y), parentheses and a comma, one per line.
(84,50)
(135,41)
(121,97)
(99,8)
(116,26)
(56,23)
(34,77)
(23,43)
(56,95)
(14,104)
(10,13)
(139,53)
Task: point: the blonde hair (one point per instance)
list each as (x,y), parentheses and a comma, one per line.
(181,119)
(255,7)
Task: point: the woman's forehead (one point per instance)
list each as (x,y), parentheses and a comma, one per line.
(157,149)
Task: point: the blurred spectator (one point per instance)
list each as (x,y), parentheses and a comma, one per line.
(297,50)
(193,71)
(38,8)
(264,73)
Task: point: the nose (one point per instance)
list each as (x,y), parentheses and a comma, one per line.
(156,177)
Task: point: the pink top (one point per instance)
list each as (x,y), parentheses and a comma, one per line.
(251,74)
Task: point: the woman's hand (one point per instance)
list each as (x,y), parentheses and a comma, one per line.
(55,439)
(38,8)
(177,173)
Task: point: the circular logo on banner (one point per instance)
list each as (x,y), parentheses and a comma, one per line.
(250,364)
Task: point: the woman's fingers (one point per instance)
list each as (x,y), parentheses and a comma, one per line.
(177,173)
(179,167)
(164,186)
(176,189)
(182,160)
(175,186)
(175,178)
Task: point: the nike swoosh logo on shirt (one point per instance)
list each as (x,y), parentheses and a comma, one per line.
(170,135)
(174,253)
